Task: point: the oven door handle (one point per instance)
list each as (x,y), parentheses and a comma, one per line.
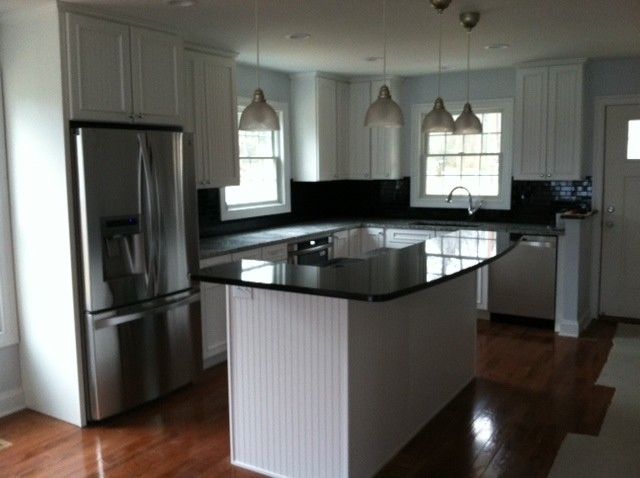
(311,250)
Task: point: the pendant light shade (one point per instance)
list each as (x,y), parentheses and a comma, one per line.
(439,120)
(468,122)
(384,112)
(258,116)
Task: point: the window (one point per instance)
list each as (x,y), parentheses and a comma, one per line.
(479,162)
(633,140)
(264,172)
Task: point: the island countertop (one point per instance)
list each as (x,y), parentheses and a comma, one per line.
(384,275)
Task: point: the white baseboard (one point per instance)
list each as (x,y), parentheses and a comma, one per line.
(214,360)
(11,402)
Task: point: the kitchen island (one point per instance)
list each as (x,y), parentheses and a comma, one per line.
(333,369)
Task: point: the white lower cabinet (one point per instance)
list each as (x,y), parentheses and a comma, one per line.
(255,254)
(341,244)
(213,308)
(355,242)
(483,289)
(372,238)
(276,253)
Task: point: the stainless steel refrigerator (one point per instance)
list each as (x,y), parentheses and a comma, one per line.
(137,230)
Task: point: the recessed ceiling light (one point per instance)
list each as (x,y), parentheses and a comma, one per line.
(497,46)
(373,58)
(299,36)
(182,3)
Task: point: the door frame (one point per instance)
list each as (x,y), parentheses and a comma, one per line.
(597,200)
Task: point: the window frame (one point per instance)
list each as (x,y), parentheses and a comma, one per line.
(284,173)
(503,200)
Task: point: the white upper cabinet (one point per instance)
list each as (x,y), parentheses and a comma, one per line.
(211,115)
(317,110)
(342,128)
(157,72)
(99,61)
(123,74)
(359,134)
(548,122)
(374,153)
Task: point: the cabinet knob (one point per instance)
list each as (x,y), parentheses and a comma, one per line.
(611,209)
(548,175)
(542,175)
(139,116)
(131,117)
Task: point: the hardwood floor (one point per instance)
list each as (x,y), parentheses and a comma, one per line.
(531,390)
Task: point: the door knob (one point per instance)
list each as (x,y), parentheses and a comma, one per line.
(609,224)
(611,209)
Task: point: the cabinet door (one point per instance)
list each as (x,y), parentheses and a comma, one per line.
(196,114)
(359,135)
(213,303)
(385,143)
(531,123)
(564,131)
(327,133)
(99,63)
(341,244)
(276,253)
(355,242)
(342,126)
(157,73)
(221,122)
(255,254)
(372,238)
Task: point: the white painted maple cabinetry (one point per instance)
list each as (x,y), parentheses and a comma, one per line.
(210,114)
(549,122)
(213,301)
(319,125)
(122,73)
(374,153)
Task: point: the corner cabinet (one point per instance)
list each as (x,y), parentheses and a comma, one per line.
(374,153)
(124,74)
(211,115)
(549,122)
(320,127)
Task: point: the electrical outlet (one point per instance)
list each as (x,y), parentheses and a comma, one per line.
(4,444)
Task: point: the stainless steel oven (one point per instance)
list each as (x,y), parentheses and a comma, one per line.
(314,252)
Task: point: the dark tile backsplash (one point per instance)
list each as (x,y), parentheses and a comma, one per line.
(531,202)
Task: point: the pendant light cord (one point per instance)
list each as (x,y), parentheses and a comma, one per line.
(257,46)
(384,34)
(440,52)
(468,61)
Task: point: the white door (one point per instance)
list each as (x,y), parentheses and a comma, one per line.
(327,114)
(196,115)
(620,283)
(359,135)
(157,76)
(99,69)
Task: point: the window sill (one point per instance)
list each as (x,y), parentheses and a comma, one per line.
(253,211)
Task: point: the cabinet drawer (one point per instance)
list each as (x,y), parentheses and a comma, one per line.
(399,238)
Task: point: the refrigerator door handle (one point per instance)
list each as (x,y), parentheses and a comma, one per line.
(146,200)
(129,314)
(157,213)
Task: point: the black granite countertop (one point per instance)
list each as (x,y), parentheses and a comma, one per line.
(390,274)
(228,244)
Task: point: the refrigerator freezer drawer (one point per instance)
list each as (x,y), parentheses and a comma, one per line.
(143,355)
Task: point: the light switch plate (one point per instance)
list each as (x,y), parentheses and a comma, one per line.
(240,292)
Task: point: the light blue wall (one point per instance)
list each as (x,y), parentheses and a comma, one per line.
(484,85)
(276,85)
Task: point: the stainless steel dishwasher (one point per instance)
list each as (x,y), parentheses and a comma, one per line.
(523,282)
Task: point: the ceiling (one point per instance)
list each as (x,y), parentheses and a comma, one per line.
(345,32)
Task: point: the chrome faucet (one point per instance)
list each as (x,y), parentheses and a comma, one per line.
(472,209)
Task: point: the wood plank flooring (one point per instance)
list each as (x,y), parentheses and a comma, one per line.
(531,390)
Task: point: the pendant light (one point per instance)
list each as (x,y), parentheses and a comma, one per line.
(259,116)
(468,122)
(384,112)
(439,120)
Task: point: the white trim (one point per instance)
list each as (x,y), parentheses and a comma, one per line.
(8,305)
(505,106)
(227,214)
(11,401)
(597,199)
